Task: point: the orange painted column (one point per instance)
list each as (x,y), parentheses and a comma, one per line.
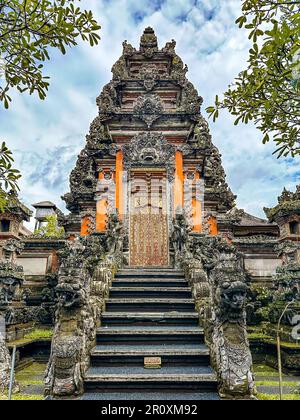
(213,226)
(101,213)
(119,184)
(197,208)
(179,181)
(85,226)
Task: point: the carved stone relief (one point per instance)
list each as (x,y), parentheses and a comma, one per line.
(149,150)
(148,109)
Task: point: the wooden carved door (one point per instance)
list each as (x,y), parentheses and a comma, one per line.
(149,236)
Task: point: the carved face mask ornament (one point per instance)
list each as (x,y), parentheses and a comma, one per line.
(8,289)
(149,155)
(70,295)
(233,298)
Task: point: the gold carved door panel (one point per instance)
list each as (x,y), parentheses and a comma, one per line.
(149,236)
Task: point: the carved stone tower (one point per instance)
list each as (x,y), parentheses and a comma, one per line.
(287,215)
(148,156)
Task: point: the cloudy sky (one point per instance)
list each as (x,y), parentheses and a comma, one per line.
(47,136)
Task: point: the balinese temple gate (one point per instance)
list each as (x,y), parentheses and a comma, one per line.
(150,210)
(148,157)
(150,291)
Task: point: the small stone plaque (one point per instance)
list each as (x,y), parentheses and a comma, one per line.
(152,362)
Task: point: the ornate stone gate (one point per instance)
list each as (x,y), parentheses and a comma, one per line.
(149,175)
(149,119)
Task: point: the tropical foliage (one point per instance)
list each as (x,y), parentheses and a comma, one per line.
(8,176)
(51,229)
(29,29)
(267,92)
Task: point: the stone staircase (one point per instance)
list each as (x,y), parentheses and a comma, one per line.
(150,313)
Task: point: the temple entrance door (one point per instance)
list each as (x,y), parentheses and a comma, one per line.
(149,232)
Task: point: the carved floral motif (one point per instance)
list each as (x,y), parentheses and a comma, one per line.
(201,135)
(98,136)
(190,100)
(214,171)
(107,101)
(106,190)
(148,109)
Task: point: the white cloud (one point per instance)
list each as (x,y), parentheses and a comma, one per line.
(47,136)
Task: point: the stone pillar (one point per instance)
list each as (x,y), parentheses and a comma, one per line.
(119,184)
(85,222)
(179,182)
(197,204)
(101,209)
(4,366)
(213,226)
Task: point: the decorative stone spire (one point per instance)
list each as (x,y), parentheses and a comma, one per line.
(149,91)
(288,205)
(149,43)
(287,214)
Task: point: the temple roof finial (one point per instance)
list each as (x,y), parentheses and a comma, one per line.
(148,41)
(288,206)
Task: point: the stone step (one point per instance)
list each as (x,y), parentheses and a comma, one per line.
(154,395)
(143,292)
(199,378)
(153,304)
(171,355)
(150,270)
(150,282)
(150,319)
(149,335)
(134,358)
(150,274)
(140,370)
(150,313)
(150,329)
(162,350)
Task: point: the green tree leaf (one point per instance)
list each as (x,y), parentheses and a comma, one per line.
(267,92)
(8,176)
(51,230)
(29,30)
